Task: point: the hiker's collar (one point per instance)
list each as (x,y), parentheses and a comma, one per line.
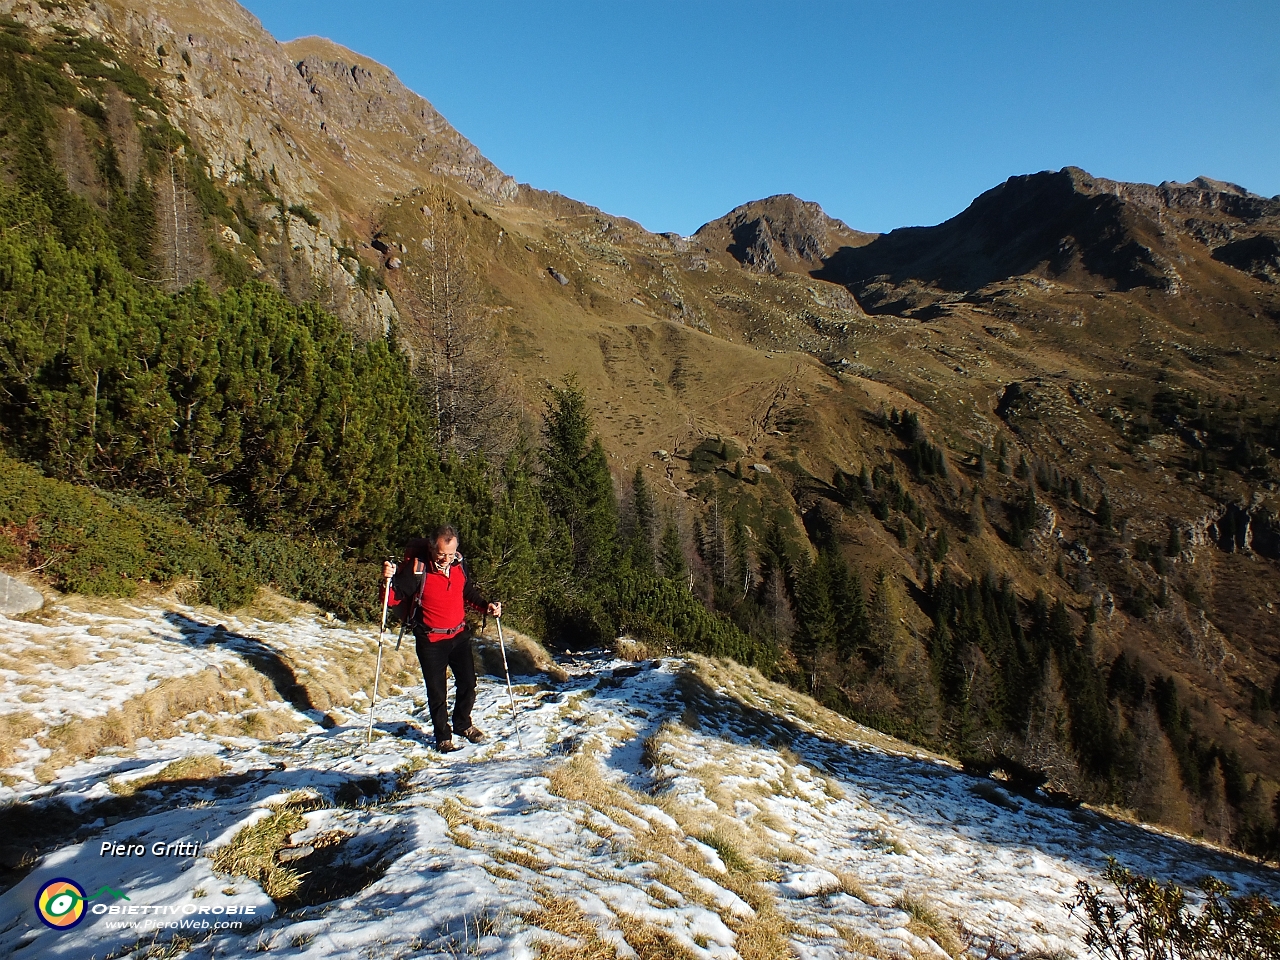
(442,566)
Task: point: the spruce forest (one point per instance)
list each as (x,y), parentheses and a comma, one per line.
(170,415)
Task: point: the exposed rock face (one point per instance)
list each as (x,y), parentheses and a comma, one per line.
(780,232)
(1073,228)
(16,598)
(363,99)
(1258,256)
(322,125)
(1255,529)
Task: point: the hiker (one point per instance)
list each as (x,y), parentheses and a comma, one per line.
(433,591)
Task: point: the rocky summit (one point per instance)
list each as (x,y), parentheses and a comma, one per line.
(1005,485)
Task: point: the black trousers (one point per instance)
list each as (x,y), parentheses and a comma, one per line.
(454,654)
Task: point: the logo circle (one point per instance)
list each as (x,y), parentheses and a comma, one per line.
(60,903)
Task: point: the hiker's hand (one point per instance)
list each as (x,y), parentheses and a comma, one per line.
(495,609)
(388,569)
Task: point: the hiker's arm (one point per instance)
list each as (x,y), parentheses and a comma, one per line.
(384,588)
(477,600)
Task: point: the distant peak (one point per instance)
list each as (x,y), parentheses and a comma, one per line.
(757,233)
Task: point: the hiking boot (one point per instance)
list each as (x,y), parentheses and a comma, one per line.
(474,734)
(447,746)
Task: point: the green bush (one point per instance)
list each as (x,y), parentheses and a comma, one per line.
(106,544)
(88,542)
(1152,921)
(305,213)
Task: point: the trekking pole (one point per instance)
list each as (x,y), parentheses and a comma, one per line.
(377,672)
(515,717)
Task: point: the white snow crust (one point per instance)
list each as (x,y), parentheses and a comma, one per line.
(851,828)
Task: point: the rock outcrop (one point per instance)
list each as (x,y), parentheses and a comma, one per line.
(1254,529)
(16,598)
(324,127)
(777,233)
(1069,227)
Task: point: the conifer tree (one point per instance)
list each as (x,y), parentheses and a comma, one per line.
(1103,514)
(644,514)
(675,566)
(815,618)
(577,485)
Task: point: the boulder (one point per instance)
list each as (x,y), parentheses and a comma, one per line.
(558,277)
(16,598)
(395,263)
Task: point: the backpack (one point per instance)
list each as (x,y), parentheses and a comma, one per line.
(406,586)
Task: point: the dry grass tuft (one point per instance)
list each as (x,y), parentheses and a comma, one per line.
(861,946)
(253,850)
(763,936)
(522,858)
(158,714)
(926,923)
(14,728)
(651,942)
(274,607)
(629,648)
(462,822)
(766,936)
(733,858)
(562,916)
(849,884)
(525,655)
(188,768)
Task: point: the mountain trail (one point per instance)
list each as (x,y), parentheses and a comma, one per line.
(682,807)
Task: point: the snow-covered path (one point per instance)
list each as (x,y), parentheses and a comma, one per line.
(670,808)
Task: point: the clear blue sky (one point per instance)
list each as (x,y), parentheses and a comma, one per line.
(887,112)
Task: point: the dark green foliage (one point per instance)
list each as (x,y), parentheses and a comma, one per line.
(671,554)
(850,489)
(88,542)
(664,610)
(577,485)
(1199,759)
(304,213)
(1209,771)
(925,459)
(1093,726)
(1023,515)
(815,615)
(832,640)
(1217,432)
(1151,553)
(242,399)
(888,495)
(982,617)
(1103,513)
(644,514)
(941,545)
(707,455)
(1154,921)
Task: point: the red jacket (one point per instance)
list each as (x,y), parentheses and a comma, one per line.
(441,597)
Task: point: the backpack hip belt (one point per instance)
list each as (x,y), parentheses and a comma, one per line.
(447,629)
